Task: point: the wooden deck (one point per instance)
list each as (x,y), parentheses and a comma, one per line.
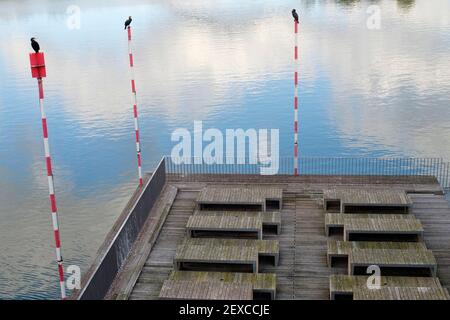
(401,293)
(344,286)
(409,255)
(354,200)
(344,249)
(262,283)
(257,197)
(249,221)
(230,252)
(231,225)
(407,259)
(373,224)
(215,290)
(378,227)
(302,271)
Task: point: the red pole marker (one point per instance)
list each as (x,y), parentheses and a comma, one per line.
(296,98)
(135,112)
(38,71)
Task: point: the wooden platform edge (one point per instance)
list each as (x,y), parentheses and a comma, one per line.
(101,251)
(114,250)
(123,285)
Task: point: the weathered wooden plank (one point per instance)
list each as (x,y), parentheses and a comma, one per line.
(231,224)
(366,198)
(268,218)
(374,224)
(338,220)
(192,290)
(226,195)
(346,247)
(400,293)
(260,282)
(393,258)
(380,253)
(346,284)
(225,251)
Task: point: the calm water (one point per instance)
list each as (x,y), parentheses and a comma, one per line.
(363,92)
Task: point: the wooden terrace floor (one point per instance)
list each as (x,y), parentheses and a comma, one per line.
(302,272)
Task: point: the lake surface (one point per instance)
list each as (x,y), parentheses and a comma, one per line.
(364,91)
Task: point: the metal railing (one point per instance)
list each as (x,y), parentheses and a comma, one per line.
(436,167)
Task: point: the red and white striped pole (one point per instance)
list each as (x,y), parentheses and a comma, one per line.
(135,112)
(296,99)
(38,71)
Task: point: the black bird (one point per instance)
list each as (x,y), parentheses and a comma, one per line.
(35,45)
(295,15)
(128,22)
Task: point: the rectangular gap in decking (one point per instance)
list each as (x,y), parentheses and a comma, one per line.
(333,205)
(230,207)
(374,209)
(216,267)
(332,231)
(270,229)
(224,234)
(272,205)
(382,237)
(337,262)
(343,296)
(266,260)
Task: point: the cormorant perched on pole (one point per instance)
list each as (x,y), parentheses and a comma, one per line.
(295,15)
(35,45)
(128,22)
